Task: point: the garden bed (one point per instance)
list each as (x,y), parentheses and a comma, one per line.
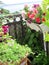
(12,52)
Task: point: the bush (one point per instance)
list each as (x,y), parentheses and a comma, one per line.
(13,51)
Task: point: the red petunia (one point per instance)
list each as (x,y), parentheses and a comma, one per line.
(38,20)
(5,29)
(35,11)
(28,14)
(32,16)
(43,19)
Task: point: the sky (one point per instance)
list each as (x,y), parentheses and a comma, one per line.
(14,5)
(17,1)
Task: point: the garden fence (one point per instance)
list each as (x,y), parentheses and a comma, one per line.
(17,29)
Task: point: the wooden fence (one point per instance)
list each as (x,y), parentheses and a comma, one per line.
(17,29)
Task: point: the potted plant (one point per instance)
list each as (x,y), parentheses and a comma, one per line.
(9,54)
(33,14)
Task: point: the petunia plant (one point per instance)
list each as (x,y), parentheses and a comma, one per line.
(5,29)
(33,14)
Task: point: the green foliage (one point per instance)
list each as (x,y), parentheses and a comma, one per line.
(45,4)
(33,40)
(26,8)
(0,29)
(47,23)
(16,12)
(0,22)
(13,51)
(47,37)
(4,11)
(40,59)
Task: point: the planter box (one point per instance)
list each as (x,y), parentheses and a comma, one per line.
(24,61)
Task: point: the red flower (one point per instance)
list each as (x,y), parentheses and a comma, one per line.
(38,20)
(43,19)
(32,16)
(5,28)
(28,14)
(35,11)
